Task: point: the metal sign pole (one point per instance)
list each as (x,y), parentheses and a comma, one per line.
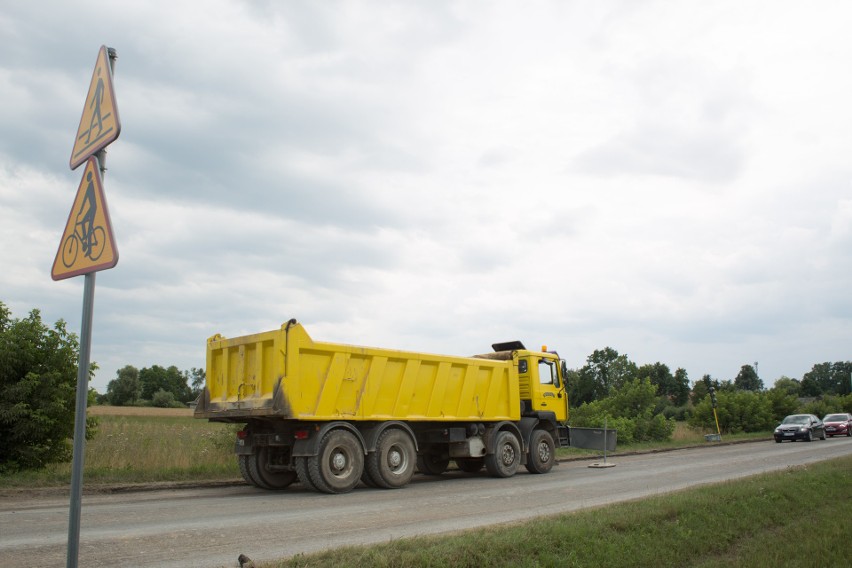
(80,421)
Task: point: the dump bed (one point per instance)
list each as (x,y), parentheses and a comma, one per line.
(285,374)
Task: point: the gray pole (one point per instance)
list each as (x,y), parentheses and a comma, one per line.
(83,393)
(80,421)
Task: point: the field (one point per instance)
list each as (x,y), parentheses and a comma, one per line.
(144,445)
(139,411)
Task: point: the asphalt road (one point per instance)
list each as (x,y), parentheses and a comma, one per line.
(210,527)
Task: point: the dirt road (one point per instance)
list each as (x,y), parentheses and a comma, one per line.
(210,527)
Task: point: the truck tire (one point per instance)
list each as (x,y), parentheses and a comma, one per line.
(432,464)
(242,461)
(367,480)
(340,462)
(542,452)
(263,476)
(304,476)
(506,459)
(392,464)
(470,465)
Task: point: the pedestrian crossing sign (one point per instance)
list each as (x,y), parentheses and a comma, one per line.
(99,125)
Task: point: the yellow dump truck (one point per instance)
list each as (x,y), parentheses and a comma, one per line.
(331,415)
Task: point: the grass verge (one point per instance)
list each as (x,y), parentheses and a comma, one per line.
(774,520)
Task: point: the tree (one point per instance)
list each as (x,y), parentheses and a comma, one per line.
(701,388)
(828,378)
(125,389)
(605,370)
(170,380)
(674,387)
(581,387)
(679,392)
(787,386)
(747,379)
(38,385)
(196,378)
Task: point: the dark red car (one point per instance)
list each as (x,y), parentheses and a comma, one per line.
(838,424)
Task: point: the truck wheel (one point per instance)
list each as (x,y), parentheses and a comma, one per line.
(470,465)
(506,458)
(304,476)
(542,452)
(266,478)
(340,463)
(432,464)
(368,481)
(242,461)
(392,464)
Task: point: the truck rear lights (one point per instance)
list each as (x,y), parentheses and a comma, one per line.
(242,435)
(301,434)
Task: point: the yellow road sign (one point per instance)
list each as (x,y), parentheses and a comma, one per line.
(87,244)
(99,125)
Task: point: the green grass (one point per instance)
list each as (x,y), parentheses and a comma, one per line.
(774,520)
(140,449)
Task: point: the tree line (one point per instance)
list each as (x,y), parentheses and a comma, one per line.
(153,386)
(643,402)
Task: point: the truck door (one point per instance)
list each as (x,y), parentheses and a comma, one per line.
(548,393)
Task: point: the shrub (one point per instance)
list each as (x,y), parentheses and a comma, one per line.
(38,385)
(163,399)
(827,405)
(630,409)
(738,411)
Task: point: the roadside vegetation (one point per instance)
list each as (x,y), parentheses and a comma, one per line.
(776,520)
(143,445)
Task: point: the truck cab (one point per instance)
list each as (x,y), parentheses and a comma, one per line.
(542,383)
(541,376)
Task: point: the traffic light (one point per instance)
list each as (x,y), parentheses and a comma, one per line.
(713,396)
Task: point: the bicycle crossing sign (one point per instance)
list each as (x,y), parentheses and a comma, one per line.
(99,125)
(87,243)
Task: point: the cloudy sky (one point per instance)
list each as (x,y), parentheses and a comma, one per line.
(669,179)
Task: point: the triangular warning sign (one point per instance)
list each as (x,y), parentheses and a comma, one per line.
(87,244)
(99,125)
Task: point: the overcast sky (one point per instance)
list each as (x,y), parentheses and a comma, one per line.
(669,179)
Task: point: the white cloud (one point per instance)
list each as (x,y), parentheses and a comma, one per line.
(669,180)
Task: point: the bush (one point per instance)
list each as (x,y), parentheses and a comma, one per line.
(630,410)
(782,404)
(738,411)
(165,399)
(677,413)
(827,405)
(38,387)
